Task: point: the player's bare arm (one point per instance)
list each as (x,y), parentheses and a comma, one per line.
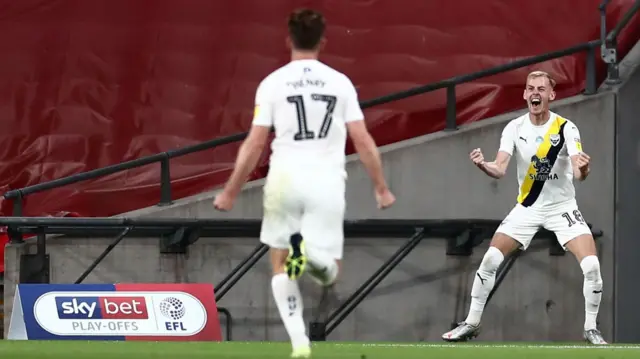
(370,157)
(580,163)
(579,160)
(248,156)
(495,169)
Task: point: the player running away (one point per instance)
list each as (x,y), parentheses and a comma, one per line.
(312,108)
(549,155)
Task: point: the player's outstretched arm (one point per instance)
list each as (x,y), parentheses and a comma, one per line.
(247,159)
(496,169)
(250,150)
(368,151)
(366,147)
(370,157)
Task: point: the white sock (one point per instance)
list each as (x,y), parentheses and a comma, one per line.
(324,267)
(592,290)
(289,301)
(483,283)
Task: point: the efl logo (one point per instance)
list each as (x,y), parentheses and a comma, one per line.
(102,308)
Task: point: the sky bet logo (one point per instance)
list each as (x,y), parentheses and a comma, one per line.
(102,308)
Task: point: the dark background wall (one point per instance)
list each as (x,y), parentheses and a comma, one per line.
(627,207)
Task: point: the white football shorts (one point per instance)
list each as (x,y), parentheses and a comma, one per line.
(564,219)
(311,203)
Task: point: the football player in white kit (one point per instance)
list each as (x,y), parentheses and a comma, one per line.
(312,108)
(549,156)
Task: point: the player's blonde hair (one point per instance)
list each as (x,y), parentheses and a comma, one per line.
(536,74)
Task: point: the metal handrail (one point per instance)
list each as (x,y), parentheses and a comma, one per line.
(449,84)
(608,43)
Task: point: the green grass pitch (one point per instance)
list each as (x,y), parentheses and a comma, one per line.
(328,350)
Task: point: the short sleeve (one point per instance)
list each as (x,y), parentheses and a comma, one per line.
(572,139)
(353,112)
(508,138)
(263,109)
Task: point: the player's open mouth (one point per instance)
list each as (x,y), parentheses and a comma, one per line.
(535,102)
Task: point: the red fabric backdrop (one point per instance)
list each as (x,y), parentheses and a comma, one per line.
(86,84)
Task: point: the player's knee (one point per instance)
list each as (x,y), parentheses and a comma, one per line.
(338,270)
(332,276)
(323,268)
(492,260)
(591,268)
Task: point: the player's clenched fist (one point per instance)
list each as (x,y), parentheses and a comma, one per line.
(476,157)
(385,198)
(583,161)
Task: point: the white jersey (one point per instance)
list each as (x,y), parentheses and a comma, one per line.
(308,103)
(545,173)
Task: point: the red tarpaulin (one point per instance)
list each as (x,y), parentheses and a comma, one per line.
(86,84)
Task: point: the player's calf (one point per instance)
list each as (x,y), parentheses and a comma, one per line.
(288,299)
(324,269)
(592,290)
(584,248)
(483,284)
(296,261)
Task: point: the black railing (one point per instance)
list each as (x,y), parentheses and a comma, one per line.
(608,54)
(325,323)
(608,43)
(175,234)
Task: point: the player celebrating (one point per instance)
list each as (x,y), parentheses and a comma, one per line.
(312,108)
(549,156)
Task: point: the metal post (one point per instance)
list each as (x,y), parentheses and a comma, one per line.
(372,283)
(18,205)
(259,251)
(613,72)
(613,76)
(591,86)
(41,253)
(608,50)
(377,273)
(165,182)
(603,21)
(451,124)
(241,270)
(228,323)
(15,237)
(95,263)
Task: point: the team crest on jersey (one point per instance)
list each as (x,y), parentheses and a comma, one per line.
(555,139)
(542,165)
